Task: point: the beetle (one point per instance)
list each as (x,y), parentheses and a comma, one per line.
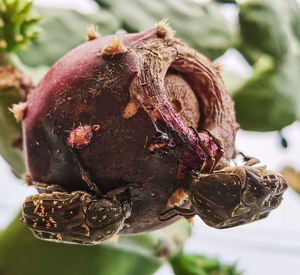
(231,196)
(224,198)
(76,217)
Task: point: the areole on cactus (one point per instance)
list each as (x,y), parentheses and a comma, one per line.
(16,25)
(128,133)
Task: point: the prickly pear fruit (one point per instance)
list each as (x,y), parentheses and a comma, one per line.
(130,110)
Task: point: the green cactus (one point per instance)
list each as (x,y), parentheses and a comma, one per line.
(261,27)
(270,99)
(10,130)
(17,25)
(269,40)
(34,257)
(61,31)
(17,30)
(13,88)
(129,255)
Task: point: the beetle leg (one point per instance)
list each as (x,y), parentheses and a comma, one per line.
(85,175)
(92,186)
(176,211)
(213,160)
(249,161)
(76,217)
(43,188)
(219,145)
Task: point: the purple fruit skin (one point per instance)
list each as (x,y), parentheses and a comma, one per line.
(85,88)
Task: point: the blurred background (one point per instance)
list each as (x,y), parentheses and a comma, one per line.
(257,44)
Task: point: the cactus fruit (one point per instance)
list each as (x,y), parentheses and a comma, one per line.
(123,135)
(149,97)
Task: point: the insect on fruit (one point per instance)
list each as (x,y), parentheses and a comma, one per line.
(126,134)
(231,196)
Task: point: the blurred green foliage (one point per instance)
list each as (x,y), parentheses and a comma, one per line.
(10,131)
(200,25)
(141,255)
(269,27)
(62,31)
(270,100)
(22,253)
(262,29)
(191,264)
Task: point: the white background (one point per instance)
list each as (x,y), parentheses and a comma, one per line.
(270,246)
